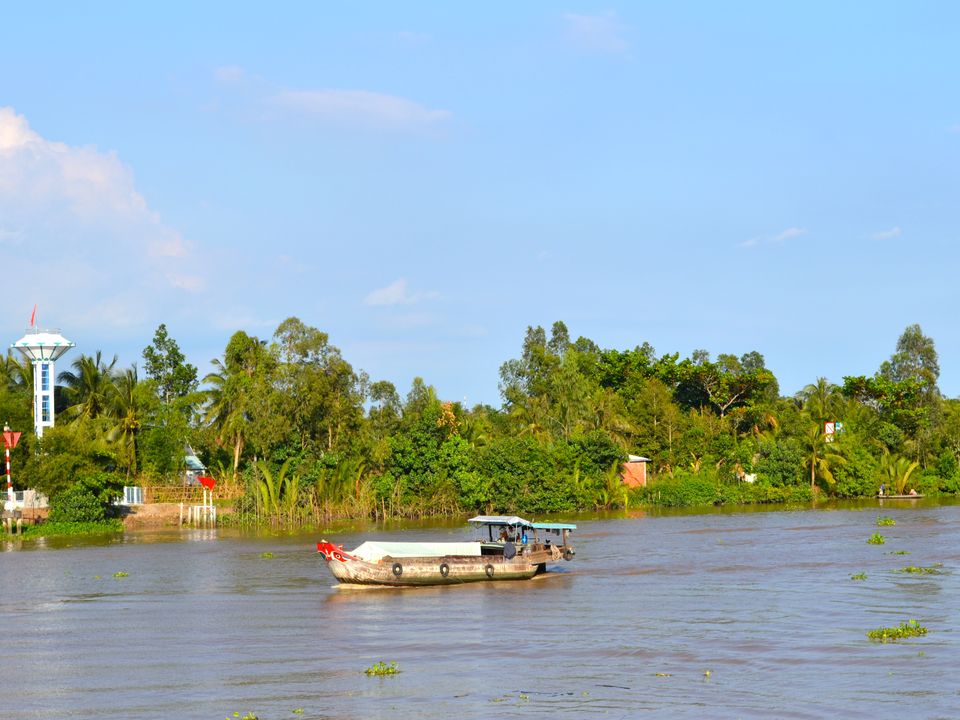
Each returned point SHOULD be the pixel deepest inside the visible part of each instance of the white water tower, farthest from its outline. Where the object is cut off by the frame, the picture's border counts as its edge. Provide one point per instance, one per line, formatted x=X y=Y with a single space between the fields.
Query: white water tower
x=43 y=348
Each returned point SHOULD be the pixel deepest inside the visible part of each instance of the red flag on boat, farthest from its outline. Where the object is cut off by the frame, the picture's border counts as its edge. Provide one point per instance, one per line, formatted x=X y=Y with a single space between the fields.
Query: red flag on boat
x=33 y=317
x=207 y=481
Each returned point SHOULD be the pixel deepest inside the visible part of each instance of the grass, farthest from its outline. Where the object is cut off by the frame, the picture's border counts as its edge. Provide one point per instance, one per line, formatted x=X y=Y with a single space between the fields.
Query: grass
x=909 y=629
x=381 y=668
x=859 y=576
x=915 y=570
x=884 y=520
x=876 y=539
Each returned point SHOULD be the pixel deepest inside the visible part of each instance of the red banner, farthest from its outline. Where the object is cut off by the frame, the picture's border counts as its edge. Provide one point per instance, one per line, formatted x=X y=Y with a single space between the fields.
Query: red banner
x=207 y=481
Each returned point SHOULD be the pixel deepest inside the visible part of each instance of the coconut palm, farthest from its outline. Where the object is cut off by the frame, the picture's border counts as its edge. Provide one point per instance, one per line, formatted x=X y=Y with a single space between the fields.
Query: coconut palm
x=224 y=411
x=126 y=408
x=822 y=457
x=88 y=386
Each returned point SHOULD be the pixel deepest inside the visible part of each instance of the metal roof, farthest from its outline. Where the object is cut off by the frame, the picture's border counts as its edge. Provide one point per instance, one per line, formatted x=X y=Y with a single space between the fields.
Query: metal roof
x=500 y=520
x=555 y=526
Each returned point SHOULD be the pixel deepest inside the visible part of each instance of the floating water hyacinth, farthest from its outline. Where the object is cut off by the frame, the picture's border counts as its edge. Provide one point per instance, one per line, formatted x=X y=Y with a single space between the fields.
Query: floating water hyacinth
x=382 y=668
x=911 y=628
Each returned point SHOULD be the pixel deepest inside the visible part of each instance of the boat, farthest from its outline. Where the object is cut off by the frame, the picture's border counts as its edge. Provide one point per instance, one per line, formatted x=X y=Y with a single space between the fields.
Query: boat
x=915 y=496
x=509 y=548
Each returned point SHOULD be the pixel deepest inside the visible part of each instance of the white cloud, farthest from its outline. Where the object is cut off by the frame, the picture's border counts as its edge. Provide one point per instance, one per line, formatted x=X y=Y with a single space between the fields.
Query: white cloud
x=396 y=293
x=597 y=33
x=359 y=106
x=98 y=253
x=893 y=232
x=789 y=234
x=780 y=238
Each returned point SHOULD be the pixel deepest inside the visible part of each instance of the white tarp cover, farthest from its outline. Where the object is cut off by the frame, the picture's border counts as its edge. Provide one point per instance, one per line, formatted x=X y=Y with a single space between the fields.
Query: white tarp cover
x=374 y=550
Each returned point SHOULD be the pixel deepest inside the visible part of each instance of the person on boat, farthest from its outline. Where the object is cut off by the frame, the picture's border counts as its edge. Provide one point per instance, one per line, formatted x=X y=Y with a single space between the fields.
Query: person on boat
x=881 y=490
x=913 y=491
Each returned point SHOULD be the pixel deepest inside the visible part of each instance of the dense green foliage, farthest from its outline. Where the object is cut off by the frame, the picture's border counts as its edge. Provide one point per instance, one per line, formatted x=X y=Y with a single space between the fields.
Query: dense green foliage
x=299 y=435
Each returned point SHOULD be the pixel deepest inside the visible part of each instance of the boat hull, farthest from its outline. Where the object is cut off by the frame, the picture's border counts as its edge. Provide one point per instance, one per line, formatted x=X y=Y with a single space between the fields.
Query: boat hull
x=445 y=570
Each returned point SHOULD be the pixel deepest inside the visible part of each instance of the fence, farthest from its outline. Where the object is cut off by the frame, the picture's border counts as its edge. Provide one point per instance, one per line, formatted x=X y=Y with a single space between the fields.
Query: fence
x=188 y=494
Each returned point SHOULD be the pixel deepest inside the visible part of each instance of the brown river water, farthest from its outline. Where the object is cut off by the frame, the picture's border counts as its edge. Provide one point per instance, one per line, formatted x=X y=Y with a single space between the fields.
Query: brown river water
x=729 y=614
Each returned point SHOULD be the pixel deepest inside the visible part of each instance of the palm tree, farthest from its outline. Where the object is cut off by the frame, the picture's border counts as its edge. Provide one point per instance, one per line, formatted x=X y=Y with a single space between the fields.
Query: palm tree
x=822 y=457
x=820 y=400
x=126 y=409
x=88 y=387
x=897 y=470
x=224 y=411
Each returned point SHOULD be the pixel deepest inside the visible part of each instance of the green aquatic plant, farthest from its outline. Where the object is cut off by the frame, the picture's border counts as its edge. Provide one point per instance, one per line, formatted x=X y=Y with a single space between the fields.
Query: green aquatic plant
x=914 y=570
x=62 y=529
x=899 y=552
x=859 y=576
x=121 y=574
x=297 y=711
x=876 y=539
x=266 y=555
x=381 y=668
x=248 y=716
x=884 y=520
x=911 y=628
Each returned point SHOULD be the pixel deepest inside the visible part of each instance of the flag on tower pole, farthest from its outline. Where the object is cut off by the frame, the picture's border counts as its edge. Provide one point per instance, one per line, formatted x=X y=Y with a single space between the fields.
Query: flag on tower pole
x=33 y=317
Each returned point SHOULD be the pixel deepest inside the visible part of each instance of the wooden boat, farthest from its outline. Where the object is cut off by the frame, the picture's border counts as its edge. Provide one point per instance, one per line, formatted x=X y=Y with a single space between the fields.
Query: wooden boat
x=915 y=496
x=510 y=548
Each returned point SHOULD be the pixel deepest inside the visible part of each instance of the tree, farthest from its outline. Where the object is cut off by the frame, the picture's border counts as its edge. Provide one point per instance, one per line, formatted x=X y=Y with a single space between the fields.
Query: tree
x=88 y=386
x=326 y=394
x=127 y=409
x=165 y=364
x=821 y=456
x=915 y=359
x=235 y=396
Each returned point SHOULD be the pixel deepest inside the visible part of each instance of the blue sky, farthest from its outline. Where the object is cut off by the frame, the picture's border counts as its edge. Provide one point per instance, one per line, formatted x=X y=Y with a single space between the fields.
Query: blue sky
x=424 y=180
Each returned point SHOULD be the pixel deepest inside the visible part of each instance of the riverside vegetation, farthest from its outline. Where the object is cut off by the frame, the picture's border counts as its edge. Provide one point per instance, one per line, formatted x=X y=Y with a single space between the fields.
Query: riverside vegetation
x=291 y=430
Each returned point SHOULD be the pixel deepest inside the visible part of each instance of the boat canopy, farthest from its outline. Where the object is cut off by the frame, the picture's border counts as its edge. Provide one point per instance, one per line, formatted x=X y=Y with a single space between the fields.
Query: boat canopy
x=510 y=520
x=374 y=550
x=554 y=526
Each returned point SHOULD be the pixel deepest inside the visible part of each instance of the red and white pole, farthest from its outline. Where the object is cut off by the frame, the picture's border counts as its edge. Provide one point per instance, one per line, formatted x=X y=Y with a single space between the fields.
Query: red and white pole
x=10 y=440
x=6 y=448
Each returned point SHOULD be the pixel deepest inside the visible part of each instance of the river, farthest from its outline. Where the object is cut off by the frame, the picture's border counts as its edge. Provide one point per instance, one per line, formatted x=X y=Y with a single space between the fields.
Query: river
x=729 y=614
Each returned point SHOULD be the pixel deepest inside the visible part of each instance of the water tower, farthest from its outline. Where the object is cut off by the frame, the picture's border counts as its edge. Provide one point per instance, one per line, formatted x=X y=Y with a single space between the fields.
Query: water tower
x=42 y=348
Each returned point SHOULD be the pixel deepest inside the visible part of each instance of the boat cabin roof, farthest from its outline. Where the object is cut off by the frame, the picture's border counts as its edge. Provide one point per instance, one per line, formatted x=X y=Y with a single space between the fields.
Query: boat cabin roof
x=554 y=526
x=514 y=521
x=511 y=520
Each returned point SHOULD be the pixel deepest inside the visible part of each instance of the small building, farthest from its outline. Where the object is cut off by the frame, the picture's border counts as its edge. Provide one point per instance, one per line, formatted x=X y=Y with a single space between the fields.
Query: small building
x=633 y=472
x=192 y=468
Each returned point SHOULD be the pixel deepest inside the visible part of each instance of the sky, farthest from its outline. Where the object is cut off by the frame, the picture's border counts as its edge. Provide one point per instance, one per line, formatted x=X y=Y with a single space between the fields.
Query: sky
x=423 y=181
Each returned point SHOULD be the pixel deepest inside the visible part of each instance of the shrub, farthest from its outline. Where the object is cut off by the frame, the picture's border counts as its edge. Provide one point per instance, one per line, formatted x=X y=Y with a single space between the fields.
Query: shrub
x=76 y=505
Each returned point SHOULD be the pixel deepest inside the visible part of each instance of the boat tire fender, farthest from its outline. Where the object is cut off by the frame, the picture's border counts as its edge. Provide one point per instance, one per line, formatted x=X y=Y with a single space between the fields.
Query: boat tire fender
x=489 y=571
x=568 y=554
x=444 y=569
x=397 y=569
